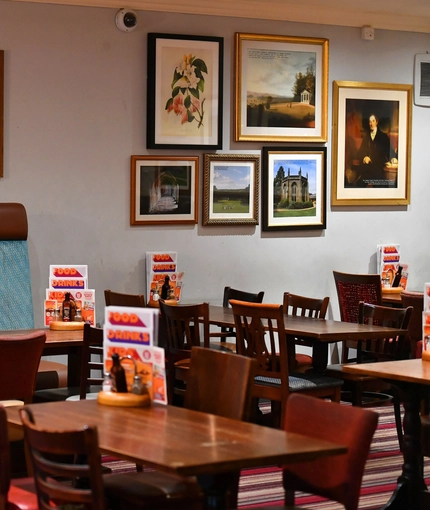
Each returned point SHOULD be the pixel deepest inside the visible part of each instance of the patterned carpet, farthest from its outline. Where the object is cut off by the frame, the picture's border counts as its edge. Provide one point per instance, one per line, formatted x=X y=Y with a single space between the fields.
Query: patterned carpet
x=263 y=486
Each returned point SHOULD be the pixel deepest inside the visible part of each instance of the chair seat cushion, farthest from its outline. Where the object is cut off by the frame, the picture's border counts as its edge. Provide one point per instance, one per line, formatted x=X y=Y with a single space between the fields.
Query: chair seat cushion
x=303 y=359
x=300 y=382
x=22 y=495
x=151 y=487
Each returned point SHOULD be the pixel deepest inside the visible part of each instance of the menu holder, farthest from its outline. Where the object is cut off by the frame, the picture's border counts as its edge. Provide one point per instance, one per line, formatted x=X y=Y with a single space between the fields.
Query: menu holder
x=111 y=398
x=66 y=326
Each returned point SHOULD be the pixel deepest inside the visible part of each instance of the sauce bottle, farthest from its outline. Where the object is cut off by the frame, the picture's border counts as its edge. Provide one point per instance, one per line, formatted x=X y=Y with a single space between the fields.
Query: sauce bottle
x=67 y=308
x=119 y=383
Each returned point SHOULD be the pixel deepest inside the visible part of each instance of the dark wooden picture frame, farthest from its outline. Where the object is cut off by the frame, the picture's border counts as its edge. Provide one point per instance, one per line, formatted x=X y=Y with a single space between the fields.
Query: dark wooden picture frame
x=185 y=92
x=294 y=188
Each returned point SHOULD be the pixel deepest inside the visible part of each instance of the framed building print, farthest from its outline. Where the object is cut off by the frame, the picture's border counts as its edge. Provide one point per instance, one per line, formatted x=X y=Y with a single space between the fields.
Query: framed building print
x=231 y=188
x=294 y=188
x=184 y=95
x=163 y=190
x=371 y=143
x=281 y=88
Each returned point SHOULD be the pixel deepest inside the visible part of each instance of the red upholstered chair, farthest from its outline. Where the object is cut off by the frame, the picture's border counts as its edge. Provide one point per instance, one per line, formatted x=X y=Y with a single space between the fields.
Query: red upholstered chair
x=18 y=493
x=339 y=477
x=305 y=307
x=351 y=289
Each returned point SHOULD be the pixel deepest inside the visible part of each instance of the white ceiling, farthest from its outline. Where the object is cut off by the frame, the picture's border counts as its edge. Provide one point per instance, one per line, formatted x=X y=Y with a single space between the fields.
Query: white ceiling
x=413 y=15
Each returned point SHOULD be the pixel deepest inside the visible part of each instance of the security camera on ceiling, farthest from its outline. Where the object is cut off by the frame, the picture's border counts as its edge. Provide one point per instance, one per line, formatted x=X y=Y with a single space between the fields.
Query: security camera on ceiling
x=126 y=20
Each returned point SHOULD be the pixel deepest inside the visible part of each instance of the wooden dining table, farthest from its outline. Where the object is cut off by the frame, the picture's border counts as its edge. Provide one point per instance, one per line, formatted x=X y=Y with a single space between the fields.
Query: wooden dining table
x=412 y=377
x=181 y=441
x=320 y=332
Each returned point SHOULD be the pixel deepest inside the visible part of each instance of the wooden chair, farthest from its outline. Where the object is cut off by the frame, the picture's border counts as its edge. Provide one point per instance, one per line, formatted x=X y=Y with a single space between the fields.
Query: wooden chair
x=260 y=328
x=351 y=289
x=186 y=326
x=92 y=371
x=230 y=397
x=118 y=299
x=339 y=477
x=67 y=465
x=17 y=493
x=416 y=300
x=305 y=307
x=365 y=390
x=239 y=295
x=16 y=301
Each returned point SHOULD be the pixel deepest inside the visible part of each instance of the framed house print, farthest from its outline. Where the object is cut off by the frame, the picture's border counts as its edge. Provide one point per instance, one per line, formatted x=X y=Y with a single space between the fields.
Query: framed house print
x=371 y=143
x=231 y=187
x=294 y=188
x=281 y=88
x=184 y=102
x=163 y=190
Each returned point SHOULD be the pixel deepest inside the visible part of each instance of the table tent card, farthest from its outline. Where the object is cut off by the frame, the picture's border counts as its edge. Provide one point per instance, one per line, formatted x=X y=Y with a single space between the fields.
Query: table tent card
x=72 y=279
x=130 y=332
x=158 y=266
x=388 y=262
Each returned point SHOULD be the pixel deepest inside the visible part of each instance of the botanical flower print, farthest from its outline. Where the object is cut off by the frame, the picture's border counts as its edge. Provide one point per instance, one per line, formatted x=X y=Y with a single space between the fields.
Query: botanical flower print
x=187 y=85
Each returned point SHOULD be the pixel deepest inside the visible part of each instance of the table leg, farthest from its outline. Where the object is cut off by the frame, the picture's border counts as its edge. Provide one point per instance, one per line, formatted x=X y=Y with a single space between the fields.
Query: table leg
x=411 y=482
x=319 y=357
x=220 y=490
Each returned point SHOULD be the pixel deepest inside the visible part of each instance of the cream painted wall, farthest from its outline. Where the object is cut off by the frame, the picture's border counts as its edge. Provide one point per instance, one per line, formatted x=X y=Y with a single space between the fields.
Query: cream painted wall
x=75 y=111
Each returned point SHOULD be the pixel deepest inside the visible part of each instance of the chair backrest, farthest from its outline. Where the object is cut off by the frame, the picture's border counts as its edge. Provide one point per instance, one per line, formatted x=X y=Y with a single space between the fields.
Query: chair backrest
x=231 y=395
x=92 y=366
x=16 y=302
x=183 y=325
x=353 y=288
x=260 y=334
x=241 y=295
x=67 y=455
x=119 y=299
x=416 y=300
x=385 y=349
x=19 y=362
x=338 y=477
x=305 y=306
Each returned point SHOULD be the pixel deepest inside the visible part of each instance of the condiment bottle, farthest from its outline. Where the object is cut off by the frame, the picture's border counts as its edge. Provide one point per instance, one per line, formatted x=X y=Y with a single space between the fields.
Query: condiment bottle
x=165 y=289
x=67 y=307
x=78 y=316
x=107 y=382
x=117 y=372
x=138 y=387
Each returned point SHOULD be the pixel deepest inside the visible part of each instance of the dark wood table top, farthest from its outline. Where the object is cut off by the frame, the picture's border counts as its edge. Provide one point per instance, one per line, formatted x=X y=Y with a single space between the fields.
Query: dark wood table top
x=322 y=330
x=53 y=338
x=408 y=370
x=179 y=440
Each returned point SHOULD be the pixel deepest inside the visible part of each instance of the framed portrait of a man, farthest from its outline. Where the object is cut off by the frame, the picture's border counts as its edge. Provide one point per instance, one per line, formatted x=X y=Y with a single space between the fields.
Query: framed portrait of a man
x=371 y=143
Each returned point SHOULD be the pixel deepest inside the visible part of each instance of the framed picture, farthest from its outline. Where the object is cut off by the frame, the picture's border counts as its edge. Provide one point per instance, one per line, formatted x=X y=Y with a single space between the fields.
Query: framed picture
x=371 y=143
x=163 y=190
x=231 y=188
x=294 y=188
x=281 y=88
x=184 y=103
x=1 y=110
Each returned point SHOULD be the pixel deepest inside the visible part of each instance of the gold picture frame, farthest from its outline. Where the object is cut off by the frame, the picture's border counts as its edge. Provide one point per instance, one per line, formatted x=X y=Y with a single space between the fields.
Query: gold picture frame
x=281 y=88
x=231 y=189
x=164 y=190
x=368 y=171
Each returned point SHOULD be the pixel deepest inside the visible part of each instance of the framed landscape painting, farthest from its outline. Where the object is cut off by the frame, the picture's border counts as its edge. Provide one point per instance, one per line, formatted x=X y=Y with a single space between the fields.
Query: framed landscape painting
x=294 y=188
x=371 y=143
x=184 y=95
x=231 y=187
x=163 y=190
x=281 y=88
